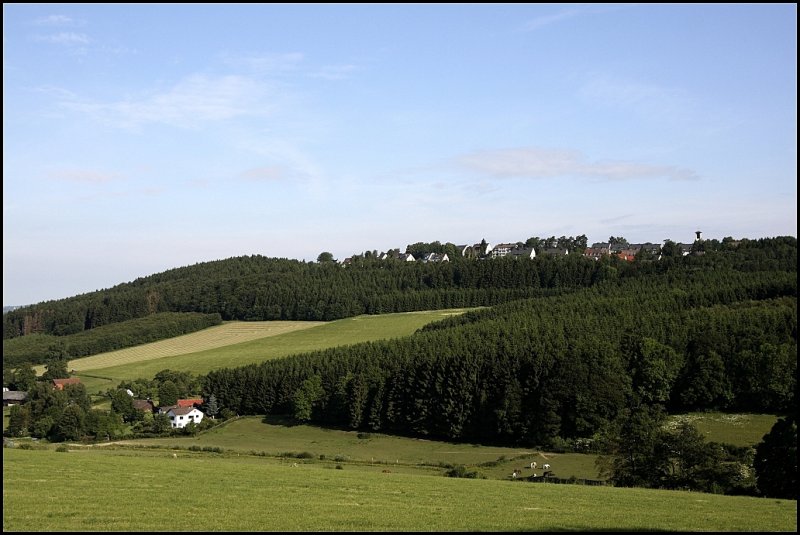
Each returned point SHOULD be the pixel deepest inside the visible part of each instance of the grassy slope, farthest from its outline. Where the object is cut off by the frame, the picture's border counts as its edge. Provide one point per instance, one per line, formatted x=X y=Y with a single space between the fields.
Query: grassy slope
x=361 y=497
x=248 y=435
x=100 y=375
x=736 y=429
x=152 y=491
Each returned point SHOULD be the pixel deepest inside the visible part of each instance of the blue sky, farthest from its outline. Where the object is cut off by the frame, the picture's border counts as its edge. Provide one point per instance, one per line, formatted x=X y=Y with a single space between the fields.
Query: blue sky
x=138 y=138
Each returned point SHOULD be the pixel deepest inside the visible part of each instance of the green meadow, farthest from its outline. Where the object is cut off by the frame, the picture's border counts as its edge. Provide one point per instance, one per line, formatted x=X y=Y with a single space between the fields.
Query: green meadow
x=150 y=490
x=256 y=474
x=736 y=429
x=195 y=352
x=277 y=437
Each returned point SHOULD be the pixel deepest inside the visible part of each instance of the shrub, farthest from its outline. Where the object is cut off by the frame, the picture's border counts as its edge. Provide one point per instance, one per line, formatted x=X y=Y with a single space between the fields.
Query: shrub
x=461 y=471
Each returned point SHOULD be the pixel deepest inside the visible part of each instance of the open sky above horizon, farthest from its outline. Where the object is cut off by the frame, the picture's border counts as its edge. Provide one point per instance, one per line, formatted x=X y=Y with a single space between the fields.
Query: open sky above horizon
x=143 y=137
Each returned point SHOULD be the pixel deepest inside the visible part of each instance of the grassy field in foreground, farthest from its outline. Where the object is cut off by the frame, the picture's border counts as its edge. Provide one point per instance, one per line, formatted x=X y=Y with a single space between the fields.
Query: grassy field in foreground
x=116 y=490
x=107 y=371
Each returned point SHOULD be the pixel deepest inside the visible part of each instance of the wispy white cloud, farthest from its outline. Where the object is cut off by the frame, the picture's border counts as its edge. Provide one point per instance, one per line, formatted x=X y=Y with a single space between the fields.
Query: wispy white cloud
x=617 y=219
x=542 y=163
x=564 y=14
x=645 y=99
x=58 y=20
x=191 y=102
x=263 y=174
x=334 y=72
x=265 y=63
x=86 y=176
x=64 y=38
x=292 y=161
x=126 y=194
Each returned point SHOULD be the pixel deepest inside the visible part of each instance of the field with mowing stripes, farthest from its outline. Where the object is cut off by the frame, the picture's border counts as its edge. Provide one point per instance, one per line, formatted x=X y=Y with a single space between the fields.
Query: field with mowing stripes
x=227 y=346
x=229 y=333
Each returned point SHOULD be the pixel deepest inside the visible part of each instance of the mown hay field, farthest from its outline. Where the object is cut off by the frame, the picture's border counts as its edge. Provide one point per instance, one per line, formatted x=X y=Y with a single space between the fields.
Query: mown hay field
x=115 y=490
x=217 y=347
x=229 y=333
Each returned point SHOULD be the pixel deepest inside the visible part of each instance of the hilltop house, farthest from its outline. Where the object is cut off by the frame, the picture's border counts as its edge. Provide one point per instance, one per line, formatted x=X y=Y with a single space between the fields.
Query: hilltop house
x=180 y=417
x=502 y=249
x=595 y=253
x=435 y=257
x=523 y=252
x=555 y=252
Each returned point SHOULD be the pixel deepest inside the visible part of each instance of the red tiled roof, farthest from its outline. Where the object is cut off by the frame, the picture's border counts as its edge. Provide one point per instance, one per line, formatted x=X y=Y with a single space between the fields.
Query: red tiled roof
x=189 y=402
x=61 y=383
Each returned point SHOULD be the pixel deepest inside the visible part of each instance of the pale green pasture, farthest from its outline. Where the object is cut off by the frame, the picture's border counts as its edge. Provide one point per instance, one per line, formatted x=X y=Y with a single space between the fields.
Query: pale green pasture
x=736 y=429
x=251 y=434
x=97 y=490
x=336 y=333
x=229 y=333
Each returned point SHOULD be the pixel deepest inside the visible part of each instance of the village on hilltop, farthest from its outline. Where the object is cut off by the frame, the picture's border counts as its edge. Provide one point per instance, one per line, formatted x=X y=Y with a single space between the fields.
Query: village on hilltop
x=563 y=246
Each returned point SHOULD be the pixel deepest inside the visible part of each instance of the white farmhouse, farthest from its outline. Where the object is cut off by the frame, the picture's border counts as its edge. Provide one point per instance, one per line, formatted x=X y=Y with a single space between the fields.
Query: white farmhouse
x=179 y=417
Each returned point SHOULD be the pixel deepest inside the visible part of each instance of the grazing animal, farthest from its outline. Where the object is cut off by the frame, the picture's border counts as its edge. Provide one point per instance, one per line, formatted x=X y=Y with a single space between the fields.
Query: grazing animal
x=294 y=465
x=546 y=466
x=174 y=455
x=514 y=474
x=533 y=465
x=387 y=471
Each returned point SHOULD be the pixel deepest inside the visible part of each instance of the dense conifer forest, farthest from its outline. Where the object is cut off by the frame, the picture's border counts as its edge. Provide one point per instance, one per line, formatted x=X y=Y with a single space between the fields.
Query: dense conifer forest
x=564 y=366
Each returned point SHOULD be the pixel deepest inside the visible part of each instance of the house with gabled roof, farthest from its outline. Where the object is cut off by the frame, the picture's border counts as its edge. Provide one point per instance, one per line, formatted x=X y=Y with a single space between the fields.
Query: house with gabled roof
x=502 y=249
x=180 y=417
x=523 y=252
x=435 y=257
x=191 y=402
x=595 y=253
x=555 y=252
x=59 y=384
x=14 y=397
x=144 y=405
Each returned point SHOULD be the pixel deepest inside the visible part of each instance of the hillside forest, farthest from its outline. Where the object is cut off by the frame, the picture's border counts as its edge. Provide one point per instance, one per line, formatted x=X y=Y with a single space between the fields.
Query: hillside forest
x=569 y=353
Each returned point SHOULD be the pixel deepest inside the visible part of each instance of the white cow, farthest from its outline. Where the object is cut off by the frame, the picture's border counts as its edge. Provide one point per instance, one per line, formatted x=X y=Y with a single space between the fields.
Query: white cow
x=546 y=466
x=533 y=465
